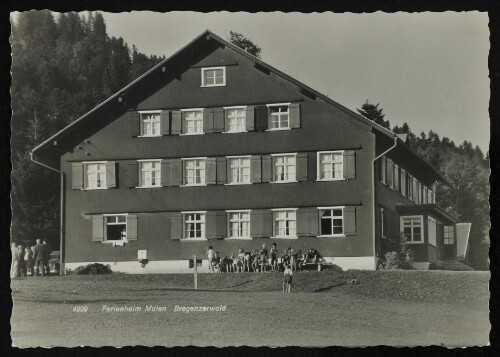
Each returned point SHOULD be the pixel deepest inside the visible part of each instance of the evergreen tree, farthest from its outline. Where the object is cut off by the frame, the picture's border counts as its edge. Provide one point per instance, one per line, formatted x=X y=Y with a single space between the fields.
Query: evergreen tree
x=244 y=43
x=373 y=113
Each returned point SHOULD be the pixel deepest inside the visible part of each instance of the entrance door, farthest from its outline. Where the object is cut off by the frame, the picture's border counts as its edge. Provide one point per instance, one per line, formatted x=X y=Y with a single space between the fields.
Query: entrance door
x=449 y=242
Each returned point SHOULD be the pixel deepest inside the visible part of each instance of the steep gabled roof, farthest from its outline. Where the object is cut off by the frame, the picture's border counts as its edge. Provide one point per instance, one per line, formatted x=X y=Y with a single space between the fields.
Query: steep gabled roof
x=209 y=35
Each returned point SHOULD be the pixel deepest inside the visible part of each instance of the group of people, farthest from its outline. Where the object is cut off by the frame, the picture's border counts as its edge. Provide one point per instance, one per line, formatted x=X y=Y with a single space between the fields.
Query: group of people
x=30 y=260
x=261 y=260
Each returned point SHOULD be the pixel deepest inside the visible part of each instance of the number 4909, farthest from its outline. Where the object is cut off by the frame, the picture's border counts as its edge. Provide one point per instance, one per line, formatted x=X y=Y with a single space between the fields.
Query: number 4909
x=80 y=309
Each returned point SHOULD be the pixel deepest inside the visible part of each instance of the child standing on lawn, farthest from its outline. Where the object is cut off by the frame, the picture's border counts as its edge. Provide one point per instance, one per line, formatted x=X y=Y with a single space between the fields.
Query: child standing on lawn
x=287 y=279
x=210 y=255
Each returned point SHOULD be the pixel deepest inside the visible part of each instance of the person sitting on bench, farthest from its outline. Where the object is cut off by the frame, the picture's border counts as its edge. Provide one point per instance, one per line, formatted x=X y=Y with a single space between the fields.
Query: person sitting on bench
x=311 y=257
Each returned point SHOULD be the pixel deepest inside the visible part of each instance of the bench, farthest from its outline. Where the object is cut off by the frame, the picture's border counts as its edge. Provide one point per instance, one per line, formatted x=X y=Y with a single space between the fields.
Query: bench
x=320 y=265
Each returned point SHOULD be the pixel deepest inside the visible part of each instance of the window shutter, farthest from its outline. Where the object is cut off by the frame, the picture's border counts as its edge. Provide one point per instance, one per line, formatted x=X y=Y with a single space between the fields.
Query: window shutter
x=294 y=115
x=221 y=170
x=134 y=123
x=269 y=119
x=97 y=228
x=215 y=225
x=267 y=168
x=226 y=122
x=349 y=163
x=307 y=222
x=176 y=226
x=210 y=171
x=164 y=122
x=132 y=174
x=208 y=120
x=132 y=227
x=173 y=172
x=164 y=172
x=396 y=177
x=301 y=167
x=250 y=118
x=350 y=221
x=261 y=223
x=176 y=122
x=77 y=176
x=261 y=114
x=390 y=173
x=218 y=120
x=110 y=174
x=255 y=169
x=382 y=167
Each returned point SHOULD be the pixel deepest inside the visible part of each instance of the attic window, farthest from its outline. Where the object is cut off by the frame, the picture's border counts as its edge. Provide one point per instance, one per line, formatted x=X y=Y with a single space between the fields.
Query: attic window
x=213 y=76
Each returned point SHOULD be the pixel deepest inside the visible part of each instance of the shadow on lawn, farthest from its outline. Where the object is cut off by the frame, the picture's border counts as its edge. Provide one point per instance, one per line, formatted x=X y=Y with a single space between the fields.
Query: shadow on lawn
x=326 y=288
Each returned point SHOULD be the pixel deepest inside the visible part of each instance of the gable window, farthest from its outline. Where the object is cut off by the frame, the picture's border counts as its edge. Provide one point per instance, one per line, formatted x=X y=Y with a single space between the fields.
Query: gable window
x=330 y=166
x=150 y=173
x=284 y=167
x=332 y=221
x=239 y=169
x=239 y=224
x=213 y=76
x=411 y=227
x=95 y=175
x=192 y=121
x=236 y=119
x=448 y=236
x=150 y=123
x=194 y=225
x=285 y=223
x=116 y=227
x=279 y=116
x=194 y=172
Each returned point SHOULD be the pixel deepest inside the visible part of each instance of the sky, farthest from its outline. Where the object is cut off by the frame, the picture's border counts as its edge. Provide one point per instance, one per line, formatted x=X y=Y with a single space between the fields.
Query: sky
x=427 y=69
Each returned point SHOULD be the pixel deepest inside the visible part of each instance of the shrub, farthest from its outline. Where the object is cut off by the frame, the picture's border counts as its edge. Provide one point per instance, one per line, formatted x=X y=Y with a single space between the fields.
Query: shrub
x=92 y=269
x=401 y=259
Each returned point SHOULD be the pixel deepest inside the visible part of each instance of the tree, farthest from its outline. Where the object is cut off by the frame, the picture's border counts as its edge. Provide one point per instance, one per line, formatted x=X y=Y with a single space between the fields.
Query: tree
x=244 y=43
x=373 y=113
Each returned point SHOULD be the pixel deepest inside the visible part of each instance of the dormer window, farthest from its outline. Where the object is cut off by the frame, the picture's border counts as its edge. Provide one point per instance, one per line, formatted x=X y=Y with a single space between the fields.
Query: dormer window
x=213 y=76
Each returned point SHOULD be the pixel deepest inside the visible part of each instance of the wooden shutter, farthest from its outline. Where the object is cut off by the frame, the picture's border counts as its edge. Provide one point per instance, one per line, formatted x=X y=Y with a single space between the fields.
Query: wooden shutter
x=110 y=174
x=221 y=170
x=215 y=225
x=261 y=113
x=77 y=176
x=382 y=167
x=261 y=223
x=164 y=122
x=132 y=174
x=301 y=167
x=134 y=123
x=208 y=120
x=218 y=120
x=176 y=226
x=226 y=121
x=350 y=221
x=390 y=173
x=267 y=168
x=97 y=228
x=250 y=118
x=255 y=169
x=176 y=122
x=307 y=222
x=294 y=115
x=173 y=172
x=210 y=171
x=396 y=177
x=349 y=163
x=132 y=227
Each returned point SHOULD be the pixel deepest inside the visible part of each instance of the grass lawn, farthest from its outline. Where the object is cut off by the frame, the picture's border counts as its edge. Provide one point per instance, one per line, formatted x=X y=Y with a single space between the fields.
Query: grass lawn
x=385 y=308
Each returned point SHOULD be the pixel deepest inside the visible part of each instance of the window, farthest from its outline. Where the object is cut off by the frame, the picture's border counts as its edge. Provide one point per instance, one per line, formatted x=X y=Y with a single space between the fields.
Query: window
x=150 y=173
x=279 y=117
x=239 y=170
x=150 y=123
x=382 y=221
x=330 y=166
x=403 y=182
x=284 y=168
x=95 y=175
x=194 y=225
x=194 y=171
x=412 y=229
x=383 y=169
x=213 y=76
x=284 y=224
x=239 y=224
x=236 y=119
x=116 y=227
x=332 y=221
x=193 y=121
x=448 y=236
x=431 y=197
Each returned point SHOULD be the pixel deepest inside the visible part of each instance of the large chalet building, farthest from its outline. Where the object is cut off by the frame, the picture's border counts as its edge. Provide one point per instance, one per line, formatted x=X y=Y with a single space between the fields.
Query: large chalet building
x=215 y=147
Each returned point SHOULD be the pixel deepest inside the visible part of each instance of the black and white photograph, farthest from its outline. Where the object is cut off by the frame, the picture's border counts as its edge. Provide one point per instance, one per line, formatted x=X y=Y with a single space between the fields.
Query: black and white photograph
x=249 y=179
